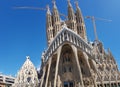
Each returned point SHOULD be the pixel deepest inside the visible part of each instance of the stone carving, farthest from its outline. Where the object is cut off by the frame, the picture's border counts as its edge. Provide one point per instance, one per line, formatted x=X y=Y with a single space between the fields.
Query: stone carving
x=27 y=76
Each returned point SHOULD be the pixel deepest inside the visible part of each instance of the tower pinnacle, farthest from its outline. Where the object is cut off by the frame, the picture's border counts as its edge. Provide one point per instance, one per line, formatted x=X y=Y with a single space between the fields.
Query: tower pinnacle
x=27 y=57
x=76 y=3
x=77 y=6
x=80 y=22
x=69 y=4
x=48 y=10
x=55 y=18
x=54 y=4
x=71 y=17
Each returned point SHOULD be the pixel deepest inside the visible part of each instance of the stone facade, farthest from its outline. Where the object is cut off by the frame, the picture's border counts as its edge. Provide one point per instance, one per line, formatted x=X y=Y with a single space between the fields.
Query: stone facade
x=70 y=59
x=27 y=76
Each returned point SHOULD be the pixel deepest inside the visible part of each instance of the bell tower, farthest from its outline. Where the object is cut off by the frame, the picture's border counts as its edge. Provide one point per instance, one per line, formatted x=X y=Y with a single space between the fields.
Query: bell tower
x=53 y=23
x=71 y=18
x=56 y=19
x=80 y=22
x=49 y=26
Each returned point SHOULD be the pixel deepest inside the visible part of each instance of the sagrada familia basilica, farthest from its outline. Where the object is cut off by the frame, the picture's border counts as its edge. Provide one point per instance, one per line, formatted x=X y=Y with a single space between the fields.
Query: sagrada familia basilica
x=70 y=59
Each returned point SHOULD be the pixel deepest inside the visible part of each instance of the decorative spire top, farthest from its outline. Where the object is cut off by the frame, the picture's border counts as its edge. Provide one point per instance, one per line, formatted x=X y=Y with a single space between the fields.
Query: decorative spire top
x=78 y=10
x=68 y=1
x=54 y=4
x=48 y=10
x=70 y=11
x=76 y=3
x=27 y=57
x=69 y=4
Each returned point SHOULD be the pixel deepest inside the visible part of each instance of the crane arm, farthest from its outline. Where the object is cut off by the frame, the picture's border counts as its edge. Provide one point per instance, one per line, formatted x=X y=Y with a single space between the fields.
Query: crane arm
x=96 y=18
x=34 y=8
x=63 y=15
x=94 y=25
x=37 y=8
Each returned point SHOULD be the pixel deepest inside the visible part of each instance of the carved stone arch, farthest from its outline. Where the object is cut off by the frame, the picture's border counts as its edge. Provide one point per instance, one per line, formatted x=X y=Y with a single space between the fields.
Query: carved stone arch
x=52 y=68
x=68 y=70
x=66 y=65
x=46 y=70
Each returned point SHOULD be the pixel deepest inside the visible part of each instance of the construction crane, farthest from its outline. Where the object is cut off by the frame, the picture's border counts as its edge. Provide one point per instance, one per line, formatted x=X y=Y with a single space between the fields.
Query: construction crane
x=94 y=25
x=37 y=8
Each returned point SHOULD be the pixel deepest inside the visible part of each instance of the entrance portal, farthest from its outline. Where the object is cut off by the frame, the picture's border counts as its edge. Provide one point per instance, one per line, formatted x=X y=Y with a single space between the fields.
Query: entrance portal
x=68 y=84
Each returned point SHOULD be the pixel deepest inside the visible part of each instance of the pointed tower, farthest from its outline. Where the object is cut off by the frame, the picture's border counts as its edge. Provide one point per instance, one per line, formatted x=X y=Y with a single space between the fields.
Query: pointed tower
x=80 y=22
x=71 y=17
x=56 y=19
x=49 y=27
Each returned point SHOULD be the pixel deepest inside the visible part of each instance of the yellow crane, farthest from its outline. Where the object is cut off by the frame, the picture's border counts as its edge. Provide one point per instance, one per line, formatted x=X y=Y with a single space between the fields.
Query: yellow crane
x=94 y=25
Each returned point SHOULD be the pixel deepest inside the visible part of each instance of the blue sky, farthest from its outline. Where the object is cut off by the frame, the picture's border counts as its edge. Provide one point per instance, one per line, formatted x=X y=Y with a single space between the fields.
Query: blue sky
x=22 y=32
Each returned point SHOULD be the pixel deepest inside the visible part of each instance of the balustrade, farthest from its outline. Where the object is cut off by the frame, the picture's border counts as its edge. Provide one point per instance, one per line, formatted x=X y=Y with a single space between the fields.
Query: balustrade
x=67 y=35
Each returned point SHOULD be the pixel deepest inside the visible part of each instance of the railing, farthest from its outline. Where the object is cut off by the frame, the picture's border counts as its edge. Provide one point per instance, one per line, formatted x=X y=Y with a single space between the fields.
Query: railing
x=67 y=35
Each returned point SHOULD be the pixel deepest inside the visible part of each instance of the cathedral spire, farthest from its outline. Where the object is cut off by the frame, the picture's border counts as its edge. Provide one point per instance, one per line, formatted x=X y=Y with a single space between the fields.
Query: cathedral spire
x=55 y=10
x=71 y=17
x=48 y=10
x=49 y=27
x=55 y=19
x=80 y=22
x=69 y=4
x=54 y=4
x=70 y=10
x=77 y=6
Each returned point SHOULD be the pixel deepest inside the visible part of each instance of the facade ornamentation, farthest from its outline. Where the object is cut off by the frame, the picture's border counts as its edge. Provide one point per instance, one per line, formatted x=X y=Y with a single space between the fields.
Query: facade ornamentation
x=27 y=76
x=70 y=59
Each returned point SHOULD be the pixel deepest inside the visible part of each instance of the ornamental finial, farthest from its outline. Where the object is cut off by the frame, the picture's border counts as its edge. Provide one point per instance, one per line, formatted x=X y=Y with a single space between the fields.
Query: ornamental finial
x=54 y=3
x=68 y=0
x=48 y=9
x=76 y=3
x=27 y=57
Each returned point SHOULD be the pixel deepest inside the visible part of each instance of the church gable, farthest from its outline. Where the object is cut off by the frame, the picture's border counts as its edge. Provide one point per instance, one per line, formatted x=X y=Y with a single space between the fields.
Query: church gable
x=27 y=76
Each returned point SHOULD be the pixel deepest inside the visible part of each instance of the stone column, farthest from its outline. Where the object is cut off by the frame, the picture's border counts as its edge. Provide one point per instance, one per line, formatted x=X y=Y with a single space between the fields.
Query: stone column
x=42 y=79
x=57 y=64
x=49 y=84
x=102 y=83
x=92 y=73
x=78 y=65
x=48 y=72
x=110 y=78
x=116 y=79
x=67 y=36
x=63 y=38
x=55 y=45
x=70 y=38
x=60 y=39
x=86 y=58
